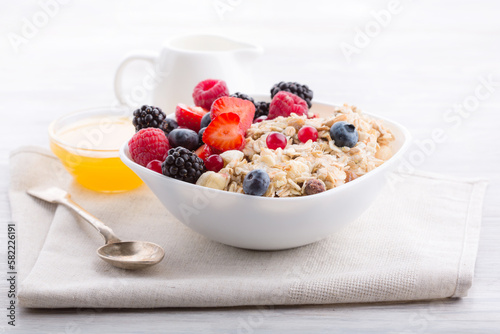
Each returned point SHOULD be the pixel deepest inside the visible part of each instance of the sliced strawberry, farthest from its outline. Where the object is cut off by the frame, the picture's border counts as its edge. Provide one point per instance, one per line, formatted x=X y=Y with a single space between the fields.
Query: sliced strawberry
x=224 y=133
x=204 y=151
x=243 y=108
x=189 y=117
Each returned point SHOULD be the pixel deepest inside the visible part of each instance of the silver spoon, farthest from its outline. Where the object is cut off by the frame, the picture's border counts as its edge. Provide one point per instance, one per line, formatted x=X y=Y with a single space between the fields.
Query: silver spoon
x=121 y=254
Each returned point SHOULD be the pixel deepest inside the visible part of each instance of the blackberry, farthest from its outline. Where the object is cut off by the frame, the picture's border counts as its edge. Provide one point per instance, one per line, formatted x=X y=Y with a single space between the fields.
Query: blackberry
x=301 y=91
x=148 y=117
x=243 y=97
x=182 y=164
x=261 y=109
x=168 y=125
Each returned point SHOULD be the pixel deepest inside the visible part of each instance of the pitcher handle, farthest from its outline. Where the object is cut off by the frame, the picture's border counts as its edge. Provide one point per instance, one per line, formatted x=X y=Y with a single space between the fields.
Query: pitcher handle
x=148 y=56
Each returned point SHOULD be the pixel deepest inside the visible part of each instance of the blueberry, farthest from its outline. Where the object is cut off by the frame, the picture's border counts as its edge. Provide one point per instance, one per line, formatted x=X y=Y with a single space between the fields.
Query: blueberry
x=205 y=120
x=344 y=134
x=183 y=137
x=256 y=182
x=168 y=125
x=200 y=136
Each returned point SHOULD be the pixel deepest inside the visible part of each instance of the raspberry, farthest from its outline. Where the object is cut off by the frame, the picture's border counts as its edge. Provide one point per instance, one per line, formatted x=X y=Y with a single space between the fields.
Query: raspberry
x=207 y=91
x=148 y=144
x=285 y=103
x=301 y=91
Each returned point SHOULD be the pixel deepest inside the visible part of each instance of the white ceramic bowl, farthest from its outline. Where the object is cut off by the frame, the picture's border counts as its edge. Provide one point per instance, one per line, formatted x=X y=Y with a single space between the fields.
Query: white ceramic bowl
x=271 y=223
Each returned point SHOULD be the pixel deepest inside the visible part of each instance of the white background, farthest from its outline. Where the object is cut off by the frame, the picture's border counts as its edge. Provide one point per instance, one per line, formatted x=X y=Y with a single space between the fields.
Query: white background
x=429 y=58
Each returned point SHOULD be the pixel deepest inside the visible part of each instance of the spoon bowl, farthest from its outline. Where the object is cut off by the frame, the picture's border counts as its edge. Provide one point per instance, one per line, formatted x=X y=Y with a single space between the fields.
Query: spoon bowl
x=121 y=254
x=131 y=254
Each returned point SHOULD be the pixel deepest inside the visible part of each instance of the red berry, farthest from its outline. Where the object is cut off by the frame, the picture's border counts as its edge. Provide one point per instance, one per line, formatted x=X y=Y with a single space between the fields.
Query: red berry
x=207 y=91
x=204 y=151
x=243 y=108
x=260 y=119
x=189 y=117
x=285 y=103
x=155 y=165
x=276 y=140
x=307 y=132
x=224 y=133
x=214 y=163
x=148 y=144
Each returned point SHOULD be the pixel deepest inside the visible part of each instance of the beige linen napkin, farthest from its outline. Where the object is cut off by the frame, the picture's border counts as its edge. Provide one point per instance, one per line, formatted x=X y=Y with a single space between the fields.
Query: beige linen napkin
x=417 y=241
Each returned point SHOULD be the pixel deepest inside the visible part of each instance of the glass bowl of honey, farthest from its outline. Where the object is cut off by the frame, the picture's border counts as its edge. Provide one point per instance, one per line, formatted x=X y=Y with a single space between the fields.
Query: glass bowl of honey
x=87 y=143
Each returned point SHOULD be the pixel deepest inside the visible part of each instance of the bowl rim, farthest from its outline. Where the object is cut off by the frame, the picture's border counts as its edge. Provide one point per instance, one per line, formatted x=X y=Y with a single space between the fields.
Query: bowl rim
x=54 y=137
x=404 y=147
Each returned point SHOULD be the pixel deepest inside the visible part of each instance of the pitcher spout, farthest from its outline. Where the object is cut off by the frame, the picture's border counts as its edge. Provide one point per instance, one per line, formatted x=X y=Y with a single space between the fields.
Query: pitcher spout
x=249 y=53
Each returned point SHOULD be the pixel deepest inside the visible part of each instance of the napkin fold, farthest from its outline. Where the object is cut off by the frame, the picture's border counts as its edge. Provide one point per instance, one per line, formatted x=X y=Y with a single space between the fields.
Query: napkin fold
x=417 y=241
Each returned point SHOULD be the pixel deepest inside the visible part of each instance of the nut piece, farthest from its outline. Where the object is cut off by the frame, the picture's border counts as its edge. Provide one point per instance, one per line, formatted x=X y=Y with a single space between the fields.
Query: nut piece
x=314 y=186
x=350 y=175
x=384 y=153
x=213 y=180
x=295 y=169
x=232 y=155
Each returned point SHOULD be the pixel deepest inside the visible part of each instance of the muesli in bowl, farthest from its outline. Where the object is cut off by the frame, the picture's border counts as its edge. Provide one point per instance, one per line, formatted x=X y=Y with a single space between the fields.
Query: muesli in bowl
x=272 y=149
x=306 y=167
x=203 y=165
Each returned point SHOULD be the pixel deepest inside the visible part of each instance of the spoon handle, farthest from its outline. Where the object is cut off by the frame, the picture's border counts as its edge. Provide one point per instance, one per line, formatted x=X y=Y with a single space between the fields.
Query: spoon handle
x=106 y=232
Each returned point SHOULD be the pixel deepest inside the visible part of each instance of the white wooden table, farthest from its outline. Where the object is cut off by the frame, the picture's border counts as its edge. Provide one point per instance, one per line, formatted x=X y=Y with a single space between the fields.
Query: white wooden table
x=427 y=58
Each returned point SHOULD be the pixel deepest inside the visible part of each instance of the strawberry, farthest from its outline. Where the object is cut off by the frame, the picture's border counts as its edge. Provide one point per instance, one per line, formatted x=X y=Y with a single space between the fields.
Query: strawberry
x=189 y=117
x=203 y=152
x=224 y=133
x=243 y=108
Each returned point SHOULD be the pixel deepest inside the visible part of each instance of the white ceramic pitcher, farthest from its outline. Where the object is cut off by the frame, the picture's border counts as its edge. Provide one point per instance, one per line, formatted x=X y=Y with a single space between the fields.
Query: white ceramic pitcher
x=182 y=63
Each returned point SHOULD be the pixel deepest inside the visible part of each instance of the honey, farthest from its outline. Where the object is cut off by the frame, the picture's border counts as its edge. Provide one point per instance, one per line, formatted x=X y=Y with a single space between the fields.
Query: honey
x=88 y=149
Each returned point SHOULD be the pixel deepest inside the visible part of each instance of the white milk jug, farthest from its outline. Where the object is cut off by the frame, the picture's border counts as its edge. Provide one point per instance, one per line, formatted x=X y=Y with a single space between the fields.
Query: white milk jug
x=183 y=62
